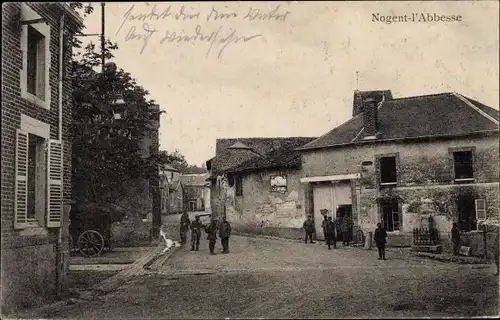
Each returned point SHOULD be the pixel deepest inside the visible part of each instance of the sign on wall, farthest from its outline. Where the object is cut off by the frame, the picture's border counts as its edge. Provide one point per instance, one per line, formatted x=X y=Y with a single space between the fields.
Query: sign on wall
x=278 y=184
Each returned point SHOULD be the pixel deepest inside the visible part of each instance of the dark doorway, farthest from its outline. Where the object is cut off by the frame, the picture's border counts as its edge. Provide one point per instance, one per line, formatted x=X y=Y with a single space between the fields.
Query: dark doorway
x=466 y=213
x=343 y=211
x=390 y=214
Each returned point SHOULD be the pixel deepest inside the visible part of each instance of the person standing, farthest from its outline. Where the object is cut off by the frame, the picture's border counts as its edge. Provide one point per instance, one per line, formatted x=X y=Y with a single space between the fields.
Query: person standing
x=224 y=234
x=455 y=239
x=211 y=231
x=196 y=227
x=309 y=228
x=345 y=230
x=330 y=233
x=185 y=222
x=324 y=223
x=379 y=237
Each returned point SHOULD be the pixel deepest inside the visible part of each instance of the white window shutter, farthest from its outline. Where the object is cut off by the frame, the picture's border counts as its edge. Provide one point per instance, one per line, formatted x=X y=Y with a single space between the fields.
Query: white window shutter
x=21 y=185
x=54 y=184
x=480 y=209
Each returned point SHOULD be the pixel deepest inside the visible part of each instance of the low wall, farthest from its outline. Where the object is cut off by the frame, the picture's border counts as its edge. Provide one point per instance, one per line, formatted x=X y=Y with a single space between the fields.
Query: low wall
x=28 y=277
x=287 y=233
x=399 y=240
x=131 y=232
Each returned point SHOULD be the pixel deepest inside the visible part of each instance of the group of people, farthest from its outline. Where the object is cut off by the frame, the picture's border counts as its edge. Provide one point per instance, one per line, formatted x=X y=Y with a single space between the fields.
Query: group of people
x=211 y=229
x=331 y=230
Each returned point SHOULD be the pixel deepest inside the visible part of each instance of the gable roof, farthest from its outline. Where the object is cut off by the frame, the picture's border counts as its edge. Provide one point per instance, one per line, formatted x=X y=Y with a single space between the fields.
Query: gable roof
x=445 y=114
x=229 y=158
x=284 y=156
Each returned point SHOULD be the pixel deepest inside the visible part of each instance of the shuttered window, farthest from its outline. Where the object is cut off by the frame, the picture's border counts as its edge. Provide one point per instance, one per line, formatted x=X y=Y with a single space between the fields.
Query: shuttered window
x=21 y=185
x=54 y=184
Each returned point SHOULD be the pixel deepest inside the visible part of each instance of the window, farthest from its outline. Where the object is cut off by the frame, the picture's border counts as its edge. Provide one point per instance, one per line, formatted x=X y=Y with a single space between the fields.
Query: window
x=239 y=186
x=38 y=176
x=388 y=172
x=35 y=43
x=278 y=184
x=36 y=63
x=390 y=215
x=36 y=179
x=463 y=165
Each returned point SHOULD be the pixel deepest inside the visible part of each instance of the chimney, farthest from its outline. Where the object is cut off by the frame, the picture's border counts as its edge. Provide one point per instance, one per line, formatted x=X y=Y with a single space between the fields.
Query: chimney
x=370 y=117
x=357 y=105
x=359 y=96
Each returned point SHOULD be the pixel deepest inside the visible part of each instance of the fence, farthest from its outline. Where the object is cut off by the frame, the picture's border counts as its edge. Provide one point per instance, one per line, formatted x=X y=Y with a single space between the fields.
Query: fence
x=425 y=237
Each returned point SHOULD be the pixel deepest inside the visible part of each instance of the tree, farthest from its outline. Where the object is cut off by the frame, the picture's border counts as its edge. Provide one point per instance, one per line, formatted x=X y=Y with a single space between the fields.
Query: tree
x=106 y=148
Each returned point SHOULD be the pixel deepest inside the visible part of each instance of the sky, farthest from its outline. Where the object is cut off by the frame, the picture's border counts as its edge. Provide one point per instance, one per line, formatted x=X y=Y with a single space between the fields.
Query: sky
x=282 y=69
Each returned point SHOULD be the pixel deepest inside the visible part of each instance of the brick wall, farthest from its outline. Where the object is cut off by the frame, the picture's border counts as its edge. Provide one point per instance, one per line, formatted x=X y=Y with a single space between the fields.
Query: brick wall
x=13 y=105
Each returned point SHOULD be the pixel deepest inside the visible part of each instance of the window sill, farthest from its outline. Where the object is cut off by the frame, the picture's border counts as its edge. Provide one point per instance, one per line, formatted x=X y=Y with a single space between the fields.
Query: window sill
x=388 y=184
x=33 y=230
x=463 y=180
x=34 y=99
x=472 y=231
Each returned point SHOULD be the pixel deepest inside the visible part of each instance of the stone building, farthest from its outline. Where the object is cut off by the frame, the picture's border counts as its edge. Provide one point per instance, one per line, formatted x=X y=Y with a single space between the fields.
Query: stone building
x=197 y=191
x=36 y=150
x=398 y=160
x=255 y=182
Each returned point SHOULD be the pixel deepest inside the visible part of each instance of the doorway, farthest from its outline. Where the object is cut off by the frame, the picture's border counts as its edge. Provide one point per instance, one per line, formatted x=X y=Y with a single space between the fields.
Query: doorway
x=343 y=211
x=331 y=196
x=390 y=215
x=466 y=213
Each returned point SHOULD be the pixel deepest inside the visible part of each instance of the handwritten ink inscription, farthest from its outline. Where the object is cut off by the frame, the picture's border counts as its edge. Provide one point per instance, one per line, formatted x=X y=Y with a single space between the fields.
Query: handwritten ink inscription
x=156 y=26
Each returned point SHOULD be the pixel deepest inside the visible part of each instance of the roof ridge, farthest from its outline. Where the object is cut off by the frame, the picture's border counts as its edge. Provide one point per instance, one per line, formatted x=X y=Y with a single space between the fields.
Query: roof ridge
x=471 y=105
x=323 y=135
x=422 y=96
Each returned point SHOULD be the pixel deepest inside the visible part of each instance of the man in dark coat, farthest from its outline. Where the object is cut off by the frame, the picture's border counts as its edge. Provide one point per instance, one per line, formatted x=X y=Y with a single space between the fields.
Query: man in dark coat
x=309 y=228
x=224 y=234
x=346 y=228
x=324 y=222
x=196 y=227
x=379 y=237
x=185 y=222
x=455 y=239
x=211 y=231
x=330 y=233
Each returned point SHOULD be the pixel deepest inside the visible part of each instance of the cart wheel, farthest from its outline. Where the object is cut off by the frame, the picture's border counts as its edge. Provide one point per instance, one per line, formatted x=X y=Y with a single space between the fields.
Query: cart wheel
x=90 y=243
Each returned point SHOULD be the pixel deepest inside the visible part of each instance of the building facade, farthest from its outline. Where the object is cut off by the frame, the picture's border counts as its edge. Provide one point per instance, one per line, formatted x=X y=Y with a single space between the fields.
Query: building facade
x=196 y=191
x=255 y=183
x=378 y=167
x=381 y=167
x=36 y=150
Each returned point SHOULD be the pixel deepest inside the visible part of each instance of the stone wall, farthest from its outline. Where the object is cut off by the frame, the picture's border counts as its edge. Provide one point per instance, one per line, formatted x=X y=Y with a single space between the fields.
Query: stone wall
x=260 y=210
x=135 y=228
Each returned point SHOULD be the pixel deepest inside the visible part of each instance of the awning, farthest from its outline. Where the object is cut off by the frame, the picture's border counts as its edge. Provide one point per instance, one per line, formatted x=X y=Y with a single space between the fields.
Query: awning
x=331 y=178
